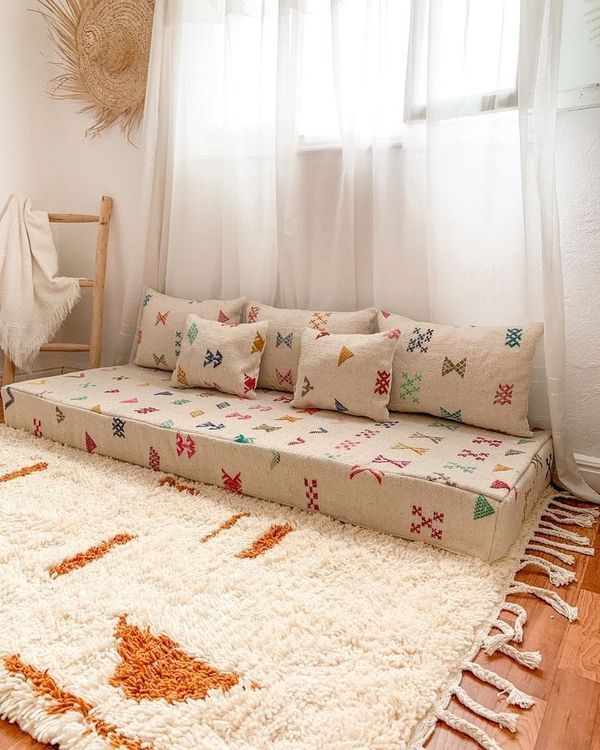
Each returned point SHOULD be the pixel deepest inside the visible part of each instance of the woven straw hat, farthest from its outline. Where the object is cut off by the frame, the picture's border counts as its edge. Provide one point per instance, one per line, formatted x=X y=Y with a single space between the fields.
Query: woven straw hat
x=104 y=46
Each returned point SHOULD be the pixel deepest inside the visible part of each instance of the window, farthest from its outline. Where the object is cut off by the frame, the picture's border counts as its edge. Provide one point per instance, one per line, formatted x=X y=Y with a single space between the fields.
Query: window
x=463 y=57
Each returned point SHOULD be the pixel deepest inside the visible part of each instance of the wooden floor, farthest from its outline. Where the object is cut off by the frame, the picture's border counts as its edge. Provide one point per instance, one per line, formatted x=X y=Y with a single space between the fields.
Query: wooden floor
x=566 y=686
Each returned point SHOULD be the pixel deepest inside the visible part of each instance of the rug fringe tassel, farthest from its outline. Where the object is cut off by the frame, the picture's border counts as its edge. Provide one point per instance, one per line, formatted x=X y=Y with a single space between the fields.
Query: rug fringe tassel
x=573 y=509
x=557 y=603
x=471 y=730
x=514 y=696
x=557 y=513
x=561 y=545
x=503 y=718
x=569 y=559
x=558 y=575
x=551 y=529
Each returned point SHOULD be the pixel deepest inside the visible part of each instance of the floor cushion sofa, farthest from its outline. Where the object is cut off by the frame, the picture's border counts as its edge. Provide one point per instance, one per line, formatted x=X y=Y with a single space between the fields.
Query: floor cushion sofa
x=424 y=478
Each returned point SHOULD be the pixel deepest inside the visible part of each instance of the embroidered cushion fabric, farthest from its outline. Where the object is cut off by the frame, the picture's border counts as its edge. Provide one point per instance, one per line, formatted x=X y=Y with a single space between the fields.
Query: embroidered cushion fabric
x=350 y=373
x=279 y=365
x=448 y=484
x=474 y=374
x=223 y=356
x=162 y=322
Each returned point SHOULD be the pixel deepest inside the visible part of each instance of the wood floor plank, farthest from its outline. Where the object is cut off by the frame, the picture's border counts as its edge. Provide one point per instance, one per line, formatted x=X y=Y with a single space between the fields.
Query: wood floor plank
x=12 y=738
x=570 y=714
x=581 y=650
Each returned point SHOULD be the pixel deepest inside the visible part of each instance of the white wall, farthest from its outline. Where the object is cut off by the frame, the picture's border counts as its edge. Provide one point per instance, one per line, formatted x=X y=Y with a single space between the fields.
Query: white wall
x=43 y=153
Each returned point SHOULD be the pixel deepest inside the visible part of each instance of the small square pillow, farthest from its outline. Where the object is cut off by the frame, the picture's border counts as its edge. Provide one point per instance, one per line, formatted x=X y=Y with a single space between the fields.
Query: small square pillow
x=224 y=356
x=162 y=322
x=279 y=365
x=478 y=375
x=350 y=373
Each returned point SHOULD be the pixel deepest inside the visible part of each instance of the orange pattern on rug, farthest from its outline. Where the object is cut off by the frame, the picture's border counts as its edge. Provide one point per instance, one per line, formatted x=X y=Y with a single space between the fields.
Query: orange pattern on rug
x=179 y=486
x=269 y=539
x=155 y=667
x=91 y=554
x=41 y=466
x=62 y=702
x=225 y=525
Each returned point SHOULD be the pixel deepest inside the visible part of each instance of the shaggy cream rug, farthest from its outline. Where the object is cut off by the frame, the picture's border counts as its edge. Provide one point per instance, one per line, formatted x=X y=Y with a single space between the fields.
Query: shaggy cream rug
x=138 y=610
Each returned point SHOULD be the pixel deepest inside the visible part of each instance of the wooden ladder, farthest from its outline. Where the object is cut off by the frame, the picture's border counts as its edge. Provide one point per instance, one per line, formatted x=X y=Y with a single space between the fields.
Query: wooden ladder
x=94 y=347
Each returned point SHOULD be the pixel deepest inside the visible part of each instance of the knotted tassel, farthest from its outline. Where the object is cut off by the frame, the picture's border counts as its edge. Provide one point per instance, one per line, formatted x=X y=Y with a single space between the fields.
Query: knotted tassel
x=503 y=718
x=547 y=527
x=561 y=545
x=472 y=731
x=550 y=597
x=558 y=575
x=569 y=559
x=514 y=696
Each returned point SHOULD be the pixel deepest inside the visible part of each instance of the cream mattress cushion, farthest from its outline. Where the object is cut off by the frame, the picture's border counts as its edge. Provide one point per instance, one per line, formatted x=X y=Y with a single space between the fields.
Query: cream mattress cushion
x=415 y=476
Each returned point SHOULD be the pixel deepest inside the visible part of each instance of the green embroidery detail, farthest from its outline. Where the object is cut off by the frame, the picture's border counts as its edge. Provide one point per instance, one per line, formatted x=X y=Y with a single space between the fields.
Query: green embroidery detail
x=483 y=508
x=410 y=387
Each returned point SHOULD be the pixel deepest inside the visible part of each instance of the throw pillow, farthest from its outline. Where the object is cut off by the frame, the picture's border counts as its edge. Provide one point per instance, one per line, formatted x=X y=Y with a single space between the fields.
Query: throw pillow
x=223 y=356
x=350 y=373
x=279 y=365
x=479 y=375
x=162 y=324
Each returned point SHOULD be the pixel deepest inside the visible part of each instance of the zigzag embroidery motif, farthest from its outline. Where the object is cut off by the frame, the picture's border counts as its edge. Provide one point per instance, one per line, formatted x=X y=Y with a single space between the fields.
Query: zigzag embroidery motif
x=356 y=470
x=233 y=484
x=158 y=361
x=449 y=366
x=162 y=318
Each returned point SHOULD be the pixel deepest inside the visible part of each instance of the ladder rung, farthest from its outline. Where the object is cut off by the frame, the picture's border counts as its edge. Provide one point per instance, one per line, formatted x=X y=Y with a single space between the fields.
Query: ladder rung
x=73 y=218
x=59 y=347
x=86 y=282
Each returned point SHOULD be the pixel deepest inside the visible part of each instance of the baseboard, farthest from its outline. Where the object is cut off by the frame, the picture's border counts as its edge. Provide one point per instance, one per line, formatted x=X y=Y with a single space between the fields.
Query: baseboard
x=46 y=372
x=590 y=468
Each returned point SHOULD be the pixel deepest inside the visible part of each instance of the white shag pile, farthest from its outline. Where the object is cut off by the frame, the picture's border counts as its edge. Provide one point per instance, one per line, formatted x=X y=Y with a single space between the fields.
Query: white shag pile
x=341 y=637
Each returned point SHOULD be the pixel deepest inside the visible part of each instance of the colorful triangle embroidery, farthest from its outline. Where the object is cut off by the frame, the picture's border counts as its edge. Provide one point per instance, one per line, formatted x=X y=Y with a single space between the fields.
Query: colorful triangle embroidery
x=345 y=355
x=482 y=508
x=222 y=317
x=306 y=387
x=339 y=406
x=498 y=484
x=96 y=409
x=501 y=467
x=513 y=452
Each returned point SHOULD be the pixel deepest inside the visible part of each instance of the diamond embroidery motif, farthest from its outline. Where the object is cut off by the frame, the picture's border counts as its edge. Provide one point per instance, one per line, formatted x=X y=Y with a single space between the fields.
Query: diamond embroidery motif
x=213 y=358
x=192 y=333
x=419 y=341
x=258 y=344
x=456 y=416
x=118 y=427
x=284 y=378
x=281 y=340
x=513 y=337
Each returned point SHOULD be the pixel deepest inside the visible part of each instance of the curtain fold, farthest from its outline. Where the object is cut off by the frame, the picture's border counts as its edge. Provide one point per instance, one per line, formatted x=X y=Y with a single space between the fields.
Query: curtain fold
x=306 y=153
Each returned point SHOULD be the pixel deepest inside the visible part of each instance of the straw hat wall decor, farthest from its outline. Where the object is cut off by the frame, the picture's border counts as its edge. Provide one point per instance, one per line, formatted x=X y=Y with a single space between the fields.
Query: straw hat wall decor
x=104 y=47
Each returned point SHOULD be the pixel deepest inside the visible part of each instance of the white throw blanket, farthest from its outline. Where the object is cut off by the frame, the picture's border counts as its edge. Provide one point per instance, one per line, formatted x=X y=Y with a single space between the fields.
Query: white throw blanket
x=33 y=300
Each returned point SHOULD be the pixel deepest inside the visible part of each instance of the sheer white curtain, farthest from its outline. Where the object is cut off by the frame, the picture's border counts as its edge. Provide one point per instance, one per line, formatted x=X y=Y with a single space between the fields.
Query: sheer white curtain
x=342 y=153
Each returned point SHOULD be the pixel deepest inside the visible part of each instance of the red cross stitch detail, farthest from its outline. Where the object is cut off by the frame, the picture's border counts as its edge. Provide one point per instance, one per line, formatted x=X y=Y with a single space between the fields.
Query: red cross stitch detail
x=312 y=494
x=284 y=377
x=90 y=445
x=347 y=445
x=252 y=314
x=394 y=333
x=162 y=318
x=249 y=383
x=186 y=444
x=382 y=382
x=37 y=427
x=153 y=460
x=494 y=443
x=146 y=410
x=139 y=336
x=466 y=453
x=504 y=394
x=319 y=321
x=426 y=522
x=232 y=483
